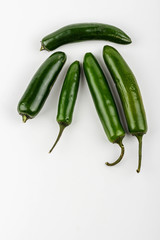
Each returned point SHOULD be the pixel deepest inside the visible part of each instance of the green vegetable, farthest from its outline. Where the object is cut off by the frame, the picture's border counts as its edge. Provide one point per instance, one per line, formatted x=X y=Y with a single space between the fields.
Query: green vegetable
x=129 y=94
x=39 y=88
x=104 y=102
x=83 y=31
x=68 y=98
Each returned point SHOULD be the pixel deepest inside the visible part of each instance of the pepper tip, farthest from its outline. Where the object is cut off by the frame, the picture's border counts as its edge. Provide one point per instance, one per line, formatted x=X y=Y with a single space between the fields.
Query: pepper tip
x=42 y=48
x=24 y=118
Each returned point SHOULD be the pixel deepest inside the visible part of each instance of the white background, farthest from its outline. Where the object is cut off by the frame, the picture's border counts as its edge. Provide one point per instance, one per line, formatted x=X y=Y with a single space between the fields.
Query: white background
x=71 y=194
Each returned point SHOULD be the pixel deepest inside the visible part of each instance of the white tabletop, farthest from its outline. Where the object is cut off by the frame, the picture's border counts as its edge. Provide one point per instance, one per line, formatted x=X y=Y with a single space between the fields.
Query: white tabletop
x=71 y=193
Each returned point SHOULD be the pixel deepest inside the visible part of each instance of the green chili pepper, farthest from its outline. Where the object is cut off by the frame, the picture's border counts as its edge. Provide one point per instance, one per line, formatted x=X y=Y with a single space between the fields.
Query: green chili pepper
x=39 y=88
x=129 y=94
x=83 y=31
x=104 y=102
x=67 y=98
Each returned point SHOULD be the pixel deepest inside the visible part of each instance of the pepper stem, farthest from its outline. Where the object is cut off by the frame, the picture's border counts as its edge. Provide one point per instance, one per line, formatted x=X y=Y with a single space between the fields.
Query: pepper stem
x=61 y=128
x=119 y=142
x=24 y=118
x=139 y=137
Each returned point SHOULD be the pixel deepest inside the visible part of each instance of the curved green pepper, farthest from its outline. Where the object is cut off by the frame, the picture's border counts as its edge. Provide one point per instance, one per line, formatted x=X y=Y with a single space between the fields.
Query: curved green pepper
x=129 y=93
x=67 y=98
x=81 y=32
x=104 y=102
x=39 y=88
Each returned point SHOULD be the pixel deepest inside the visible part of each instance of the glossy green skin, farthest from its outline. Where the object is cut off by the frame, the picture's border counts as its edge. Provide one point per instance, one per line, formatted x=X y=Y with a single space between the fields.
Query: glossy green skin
x=84 y=31
x=103 y=99
x=128 y=90
x=68 y=95
x=39 y=88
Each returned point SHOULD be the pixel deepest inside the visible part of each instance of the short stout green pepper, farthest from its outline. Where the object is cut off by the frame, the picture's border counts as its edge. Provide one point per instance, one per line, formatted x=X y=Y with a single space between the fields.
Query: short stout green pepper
x=39 y=88
x=104 y=102
x=67 y=98
x=129 y=93
x=81 y=32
